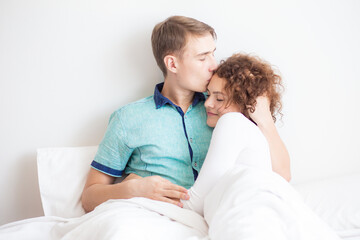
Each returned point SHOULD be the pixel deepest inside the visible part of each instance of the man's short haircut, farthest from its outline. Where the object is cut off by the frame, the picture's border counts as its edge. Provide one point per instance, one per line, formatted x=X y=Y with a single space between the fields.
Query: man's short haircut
x=170 y=37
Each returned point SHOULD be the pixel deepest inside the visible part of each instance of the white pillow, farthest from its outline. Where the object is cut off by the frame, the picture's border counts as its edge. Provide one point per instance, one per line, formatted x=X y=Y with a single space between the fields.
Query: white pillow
x=62 y=174
x=336 y=200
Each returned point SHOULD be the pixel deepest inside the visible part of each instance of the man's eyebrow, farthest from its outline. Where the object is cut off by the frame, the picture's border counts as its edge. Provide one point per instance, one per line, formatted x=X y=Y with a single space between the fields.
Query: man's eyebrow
x=205 y=53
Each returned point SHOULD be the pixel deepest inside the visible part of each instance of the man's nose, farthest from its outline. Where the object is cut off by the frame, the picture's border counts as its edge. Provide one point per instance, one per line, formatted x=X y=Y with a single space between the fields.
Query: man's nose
x=213 y=65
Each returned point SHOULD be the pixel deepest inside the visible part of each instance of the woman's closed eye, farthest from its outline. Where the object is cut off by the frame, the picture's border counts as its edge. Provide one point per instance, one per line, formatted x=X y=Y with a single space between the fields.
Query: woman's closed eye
x=218 y=97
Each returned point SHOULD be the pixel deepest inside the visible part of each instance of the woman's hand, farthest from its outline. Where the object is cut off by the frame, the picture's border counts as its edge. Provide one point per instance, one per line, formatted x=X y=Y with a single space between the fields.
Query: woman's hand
x=280 y=158
x=262 y=114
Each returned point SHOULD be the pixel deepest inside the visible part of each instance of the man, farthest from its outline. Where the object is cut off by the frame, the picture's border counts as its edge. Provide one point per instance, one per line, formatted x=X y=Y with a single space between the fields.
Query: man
x=163 y=138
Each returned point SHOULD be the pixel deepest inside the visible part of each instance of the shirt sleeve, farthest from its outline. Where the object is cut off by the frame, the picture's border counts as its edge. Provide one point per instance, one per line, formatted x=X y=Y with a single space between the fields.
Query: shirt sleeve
x=113 y=152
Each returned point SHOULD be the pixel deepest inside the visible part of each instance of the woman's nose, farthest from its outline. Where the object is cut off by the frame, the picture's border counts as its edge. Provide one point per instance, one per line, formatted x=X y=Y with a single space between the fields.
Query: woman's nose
x=208 y=103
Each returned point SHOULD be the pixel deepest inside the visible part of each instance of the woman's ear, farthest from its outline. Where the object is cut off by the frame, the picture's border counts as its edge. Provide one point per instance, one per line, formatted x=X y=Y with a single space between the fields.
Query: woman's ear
x=170 y=63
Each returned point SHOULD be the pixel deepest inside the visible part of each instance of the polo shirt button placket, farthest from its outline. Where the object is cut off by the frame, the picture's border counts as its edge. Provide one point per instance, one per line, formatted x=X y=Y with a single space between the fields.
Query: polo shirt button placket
x=195 y=164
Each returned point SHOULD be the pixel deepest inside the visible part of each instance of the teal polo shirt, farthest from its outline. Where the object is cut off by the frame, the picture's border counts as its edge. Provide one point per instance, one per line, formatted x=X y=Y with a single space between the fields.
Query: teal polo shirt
x=153 y=136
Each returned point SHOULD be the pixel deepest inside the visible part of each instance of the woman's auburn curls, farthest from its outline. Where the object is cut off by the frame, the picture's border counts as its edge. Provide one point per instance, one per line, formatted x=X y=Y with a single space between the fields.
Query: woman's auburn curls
x=248 y=77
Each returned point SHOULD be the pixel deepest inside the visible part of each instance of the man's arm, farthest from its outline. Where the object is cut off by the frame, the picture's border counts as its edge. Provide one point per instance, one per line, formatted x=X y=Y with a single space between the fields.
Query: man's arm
x=280 y=158
x=100 y=187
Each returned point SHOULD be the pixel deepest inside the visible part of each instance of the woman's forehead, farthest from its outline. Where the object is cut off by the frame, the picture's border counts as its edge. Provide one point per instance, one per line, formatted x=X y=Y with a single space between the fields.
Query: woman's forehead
x=216 y=84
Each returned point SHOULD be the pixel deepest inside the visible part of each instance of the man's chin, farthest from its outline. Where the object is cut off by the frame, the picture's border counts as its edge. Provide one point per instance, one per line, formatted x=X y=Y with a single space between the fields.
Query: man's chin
x=201 y=89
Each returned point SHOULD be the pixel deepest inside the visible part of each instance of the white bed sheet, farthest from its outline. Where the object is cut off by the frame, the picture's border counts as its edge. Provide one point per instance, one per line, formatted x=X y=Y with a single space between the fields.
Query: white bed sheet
x=136 y=218
x=245 y=204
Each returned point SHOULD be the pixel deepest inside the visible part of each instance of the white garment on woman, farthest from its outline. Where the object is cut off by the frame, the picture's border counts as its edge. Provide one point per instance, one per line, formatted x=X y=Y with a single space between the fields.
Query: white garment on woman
x=239 y=195
x=235 y=140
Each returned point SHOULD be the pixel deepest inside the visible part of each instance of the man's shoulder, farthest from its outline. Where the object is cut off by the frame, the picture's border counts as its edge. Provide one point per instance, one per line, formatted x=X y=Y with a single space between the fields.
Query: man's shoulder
x=139 y=105
x=134 y=110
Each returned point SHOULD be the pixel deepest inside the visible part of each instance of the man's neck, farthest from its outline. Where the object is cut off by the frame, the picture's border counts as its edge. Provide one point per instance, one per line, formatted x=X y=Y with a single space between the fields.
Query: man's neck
x=179 y=96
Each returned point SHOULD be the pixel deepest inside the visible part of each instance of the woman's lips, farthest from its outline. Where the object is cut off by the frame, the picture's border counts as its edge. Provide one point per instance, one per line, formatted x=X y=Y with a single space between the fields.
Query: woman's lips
x=211 y=114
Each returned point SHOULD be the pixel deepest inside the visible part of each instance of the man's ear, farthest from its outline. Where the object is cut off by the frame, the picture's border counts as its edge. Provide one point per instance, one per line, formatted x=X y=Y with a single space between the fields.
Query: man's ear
x=170 y=62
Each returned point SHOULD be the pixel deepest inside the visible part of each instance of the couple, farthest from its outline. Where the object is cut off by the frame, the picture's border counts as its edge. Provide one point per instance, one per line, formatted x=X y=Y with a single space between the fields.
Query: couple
x=162 y=141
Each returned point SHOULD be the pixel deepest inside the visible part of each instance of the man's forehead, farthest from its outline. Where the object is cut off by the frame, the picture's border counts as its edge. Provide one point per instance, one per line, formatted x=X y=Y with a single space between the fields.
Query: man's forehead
x=198 y=45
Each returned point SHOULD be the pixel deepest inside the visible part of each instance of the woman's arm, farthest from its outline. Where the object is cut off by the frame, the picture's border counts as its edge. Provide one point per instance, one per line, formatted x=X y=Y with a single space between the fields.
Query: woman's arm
x=280 y=158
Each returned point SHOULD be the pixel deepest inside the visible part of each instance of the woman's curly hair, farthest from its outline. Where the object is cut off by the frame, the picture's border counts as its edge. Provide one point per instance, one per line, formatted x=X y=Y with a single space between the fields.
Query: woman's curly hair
x=248 y=77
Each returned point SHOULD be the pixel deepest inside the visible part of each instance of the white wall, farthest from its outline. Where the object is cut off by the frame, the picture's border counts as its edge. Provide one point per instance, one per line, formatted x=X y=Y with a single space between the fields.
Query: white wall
x=66 y=65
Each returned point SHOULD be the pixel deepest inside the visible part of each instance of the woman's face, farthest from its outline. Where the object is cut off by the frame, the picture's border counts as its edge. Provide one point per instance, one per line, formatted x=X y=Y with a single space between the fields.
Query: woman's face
x=217 y=102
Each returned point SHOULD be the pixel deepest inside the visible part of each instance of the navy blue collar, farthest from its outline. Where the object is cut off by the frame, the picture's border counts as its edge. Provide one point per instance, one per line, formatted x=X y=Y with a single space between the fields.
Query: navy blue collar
x=160 y=100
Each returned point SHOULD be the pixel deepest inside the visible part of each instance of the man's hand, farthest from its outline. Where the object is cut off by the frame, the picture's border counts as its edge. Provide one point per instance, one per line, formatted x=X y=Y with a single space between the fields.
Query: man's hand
x=100 y=187
x=158 y=188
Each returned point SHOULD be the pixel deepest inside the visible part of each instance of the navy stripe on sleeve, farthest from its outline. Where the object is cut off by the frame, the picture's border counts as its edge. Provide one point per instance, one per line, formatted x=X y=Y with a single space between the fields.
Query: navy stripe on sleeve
x=106 y=170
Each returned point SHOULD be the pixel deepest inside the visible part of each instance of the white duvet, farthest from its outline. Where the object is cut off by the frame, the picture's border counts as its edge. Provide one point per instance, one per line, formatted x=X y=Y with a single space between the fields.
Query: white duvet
x=251 y=203
x=247 y=204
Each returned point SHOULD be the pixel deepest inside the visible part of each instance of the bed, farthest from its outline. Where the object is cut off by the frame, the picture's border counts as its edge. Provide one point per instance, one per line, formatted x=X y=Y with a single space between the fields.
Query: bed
x=62 y=173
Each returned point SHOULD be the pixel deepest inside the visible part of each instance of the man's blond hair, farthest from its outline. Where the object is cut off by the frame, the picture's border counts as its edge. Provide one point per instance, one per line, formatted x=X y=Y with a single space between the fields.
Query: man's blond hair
x=170 y=37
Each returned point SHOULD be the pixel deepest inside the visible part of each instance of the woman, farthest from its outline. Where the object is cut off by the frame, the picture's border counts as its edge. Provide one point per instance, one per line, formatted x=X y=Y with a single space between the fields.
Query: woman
x=243 y=99
x=240 y=190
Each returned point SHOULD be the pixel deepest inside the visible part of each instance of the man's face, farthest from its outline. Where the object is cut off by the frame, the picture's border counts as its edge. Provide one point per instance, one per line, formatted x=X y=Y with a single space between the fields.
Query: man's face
x=195 y=67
